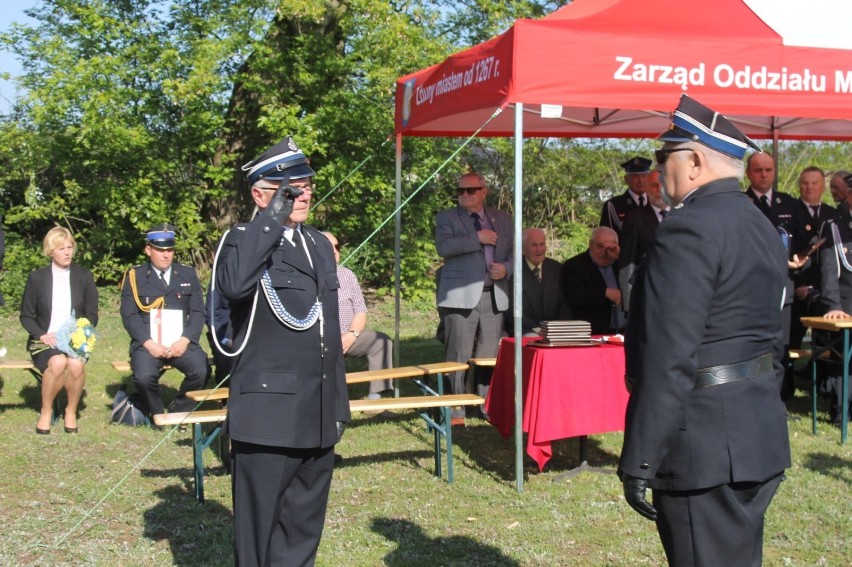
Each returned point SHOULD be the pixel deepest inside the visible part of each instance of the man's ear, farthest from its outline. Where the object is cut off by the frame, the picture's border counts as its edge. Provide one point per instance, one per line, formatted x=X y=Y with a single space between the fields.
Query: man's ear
x=697 y=163
x=257 y=197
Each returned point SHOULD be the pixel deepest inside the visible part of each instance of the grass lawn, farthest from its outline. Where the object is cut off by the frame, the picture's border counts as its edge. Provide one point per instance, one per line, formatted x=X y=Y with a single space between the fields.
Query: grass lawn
x=61 y=502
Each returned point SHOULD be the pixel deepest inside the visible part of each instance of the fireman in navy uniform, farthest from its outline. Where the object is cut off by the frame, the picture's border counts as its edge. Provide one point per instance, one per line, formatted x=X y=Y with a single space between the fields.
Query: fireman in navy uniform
x=288 y=402
x=636 y=175
x=705 y=427
x=836 y=267
x=163 y=283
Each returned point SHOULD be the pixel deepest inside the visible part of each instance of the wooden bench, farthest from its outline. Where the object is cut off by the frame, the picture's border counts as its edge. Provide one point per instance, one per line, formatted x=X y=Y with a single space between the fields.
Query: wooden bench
x=28 y=365
x=434 y=409
x=124 y=365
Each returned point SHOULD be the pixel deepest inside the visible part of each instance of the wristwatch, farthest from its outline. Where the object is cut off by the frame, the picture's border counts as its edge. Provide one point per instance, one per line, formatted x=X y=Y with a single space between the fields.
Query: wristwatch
x=354 y=332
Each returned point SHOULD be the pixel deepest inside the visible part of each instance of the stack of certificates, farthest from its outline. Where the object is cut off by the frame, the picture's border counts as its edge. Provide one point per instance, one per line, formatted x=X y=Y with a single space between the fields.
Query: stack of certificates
x=565 y=333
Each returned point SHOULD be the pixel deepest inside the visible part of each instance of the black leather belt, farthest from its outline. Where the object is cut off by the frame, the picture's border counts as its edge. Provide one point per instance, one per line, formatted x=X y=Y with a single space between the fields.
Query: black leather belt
x=724 y=373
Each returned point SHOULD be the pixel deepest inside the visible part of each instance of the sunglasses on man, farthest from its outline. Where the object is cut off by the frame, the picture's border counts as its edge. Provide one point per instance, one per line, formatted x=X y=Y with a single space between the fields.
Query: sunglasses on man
x=469 y=190
x=662 y=155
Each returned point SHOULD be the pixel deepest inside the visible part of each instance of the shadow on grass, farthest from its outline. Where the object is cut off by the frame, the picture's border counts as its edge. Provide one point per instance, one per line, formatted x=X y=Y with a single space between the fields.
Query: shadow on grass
x=411 y=458
x=495 y=456
x=832 y=466
x=415 y=548
x=197 y=534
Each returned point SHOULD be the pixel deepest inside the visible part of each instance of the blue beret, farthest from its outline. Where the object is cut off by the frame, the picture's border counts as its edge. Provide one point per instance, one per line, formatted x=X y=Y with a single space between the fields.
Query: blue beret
x=694 y=122
x=161 y=236
x=284 y=159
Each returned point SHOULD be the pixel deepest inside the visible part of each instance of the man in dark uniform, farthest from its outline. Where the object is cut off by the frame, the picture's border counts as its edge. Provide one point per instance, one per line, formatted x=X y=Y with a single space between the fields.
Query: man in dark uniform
x=705 y=427
x=636 y=235
x=288 y=403
x=775 y=205
x=836 y=267
x=173 y=290
x=809 y=226
x=636 y=176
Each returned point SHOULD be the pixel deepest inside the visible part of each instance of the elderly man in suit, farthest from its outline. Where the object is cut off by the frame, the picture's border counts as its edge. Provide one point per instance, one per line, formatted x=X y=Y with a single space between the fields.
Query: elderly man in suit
x=705 y=427
x=636 y=235
x=168 y=286
x=542 y=286
x=590 y=283
x=288 y=402
x=475 y=242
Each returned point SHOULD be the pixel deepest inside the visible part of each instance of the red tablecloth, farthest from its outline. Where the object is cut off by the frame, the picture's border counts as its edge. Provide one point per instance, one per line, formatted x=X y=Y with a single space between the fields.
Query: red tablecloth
x=568 y=392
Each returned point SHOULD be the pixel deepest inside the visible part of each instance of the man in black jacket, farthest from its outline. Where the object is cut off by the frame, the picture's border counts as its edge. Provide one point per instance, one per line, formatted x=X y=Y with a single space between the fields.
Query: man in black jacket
x=705 y=427
x=170 y=294
x=288 y=403
x=542 y=286
x=590 y=283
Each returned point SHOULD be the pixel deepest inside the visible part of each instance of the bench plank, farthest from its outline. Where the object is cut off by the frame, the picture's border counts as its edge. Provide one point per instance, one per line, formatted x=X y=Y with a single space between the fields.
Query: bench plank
x=185 y=417
x=16 y=364
x=414 y=371
x=483 y=362
x=416 y=402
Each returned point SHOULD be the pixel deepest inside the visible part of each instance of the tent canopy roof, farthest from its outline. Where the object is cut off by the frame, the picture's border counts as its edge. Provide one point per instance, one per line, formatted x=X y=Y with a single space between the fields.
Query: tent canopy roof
x=616 y=68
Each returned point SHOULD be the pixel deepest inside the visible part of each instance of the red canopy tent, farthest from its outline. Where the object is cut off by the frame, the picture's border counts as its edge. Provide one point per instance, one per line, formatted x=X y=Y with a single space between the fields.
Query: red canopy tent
x=616 y=69
x=780 y=69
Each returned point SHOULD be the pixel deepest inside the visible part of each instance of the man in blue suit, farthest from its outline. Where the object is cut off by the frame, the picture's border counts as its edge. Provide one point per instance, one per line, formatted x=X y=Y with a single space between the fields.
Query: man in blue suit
x=475 y=242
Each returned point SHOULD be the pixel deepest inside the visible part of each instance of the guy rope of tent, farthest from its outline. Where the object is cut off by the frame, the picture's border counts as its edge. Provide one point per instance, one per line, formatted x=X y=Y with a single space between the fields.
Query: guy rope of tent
x=121 y=481
x=350 y=174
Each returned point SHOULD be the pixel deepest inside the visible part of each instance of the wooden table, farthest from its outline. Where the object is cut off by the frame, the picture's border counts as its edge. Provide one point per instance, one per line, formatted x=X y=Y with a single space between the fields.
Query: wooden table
x=839 y=345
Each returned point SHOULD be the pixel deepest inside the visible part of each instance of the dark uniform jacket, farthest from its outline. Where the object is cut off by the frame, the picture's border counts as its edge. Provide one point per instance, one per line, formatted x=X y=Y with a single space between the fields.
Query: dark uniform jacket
x=782 y=208
x=808 y=230
x=584 y=290
x=543 y=300
x=836 y=277
x=615 y=210
x=708 y=293
x=288 y=387
x=636 y=236
x=183 y=292
x=37 y=301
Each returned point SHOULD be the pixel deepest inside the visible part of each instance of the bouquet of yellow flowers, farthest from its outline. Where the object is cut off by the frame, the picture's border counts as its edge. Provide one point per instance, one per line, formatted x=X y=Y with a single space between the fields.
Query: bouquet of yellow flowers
x=76 y=337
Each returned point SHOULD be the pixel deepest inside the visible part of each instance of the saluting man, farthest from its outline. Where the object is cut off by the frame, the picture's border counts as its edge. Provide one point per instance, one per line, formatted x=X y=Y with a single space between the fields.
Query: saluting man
x=163 y=284
x=705 y=427
x=288 y=403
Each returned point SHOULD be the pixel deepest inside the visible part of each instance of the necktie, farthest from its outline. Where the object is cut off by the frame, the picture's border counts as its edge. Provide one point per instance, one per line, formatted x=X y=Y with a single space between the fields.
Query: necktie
x=663 y=214
x=476 y=221
x=163 y=278
x=764 y=201
x=641 y=200
x=300 y=247
x=537 y=273
x=815 y=209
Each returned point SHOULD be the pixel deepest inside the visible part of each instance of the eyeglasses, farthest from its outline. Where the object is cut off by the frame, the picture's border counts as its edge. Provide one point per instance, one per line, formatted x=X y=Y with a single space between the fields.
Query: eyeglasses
x=469 y=190
x=309 y=188
x=662 y=155
x=336 y=246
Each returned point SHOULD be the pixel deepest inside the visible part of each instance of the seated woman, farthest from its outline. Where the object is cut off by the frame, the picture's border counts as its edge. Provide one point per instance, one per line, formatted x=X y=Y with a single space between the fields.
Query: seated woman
x=51 y=294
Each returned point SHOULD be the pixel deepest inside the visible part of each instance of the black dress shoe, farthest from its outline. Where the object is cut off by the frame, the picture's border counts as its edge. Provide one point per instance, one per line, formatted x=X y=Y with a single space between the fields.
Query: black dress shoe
x=40 y=431
x=70 y=429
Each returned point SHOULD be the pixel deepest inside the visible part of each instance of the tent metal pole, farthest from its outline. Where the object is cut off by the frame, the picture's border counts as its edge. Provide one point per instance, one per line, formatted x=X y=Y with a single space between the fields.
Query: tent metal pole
x=518 y=297
x=397 y=253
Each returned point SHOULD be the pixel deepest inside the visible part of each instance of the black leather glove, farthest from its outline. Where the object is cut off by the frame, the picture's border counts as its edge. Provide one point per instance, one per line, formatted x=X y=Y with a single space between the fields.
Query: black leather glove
x=341 y=427
x=634 y=493
x=281 y=205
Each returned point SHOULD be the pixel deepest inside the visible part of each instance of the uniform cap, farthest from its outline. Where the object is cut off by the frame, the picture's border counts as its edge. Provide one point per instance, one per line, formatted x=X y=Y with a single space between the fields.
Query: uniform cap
x=637 y=164
x=161 y=236
x=284 y=159
x=694 y=122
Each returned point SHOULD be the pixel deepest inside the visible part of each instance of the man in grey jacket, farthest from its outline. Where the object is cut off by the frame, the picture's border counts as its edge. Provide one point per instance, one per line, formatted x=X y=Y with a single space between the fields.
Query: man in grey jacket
x=473 y=289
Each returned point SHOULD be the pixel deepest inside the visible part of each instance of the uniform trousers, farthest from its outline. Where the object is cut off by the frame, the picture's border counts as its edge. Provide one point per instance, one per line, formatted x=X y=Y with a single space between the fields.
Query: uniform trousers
x=482 y=325
x=715 y=526
x=146 y=375
x=378 y=349
x=280 y=498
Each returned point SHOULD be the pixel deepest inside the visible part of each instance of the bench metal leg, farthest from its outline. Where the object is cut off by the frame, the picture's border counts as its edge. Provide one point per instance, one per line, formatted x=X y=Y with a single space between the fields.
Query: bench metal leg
x=199 y=443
